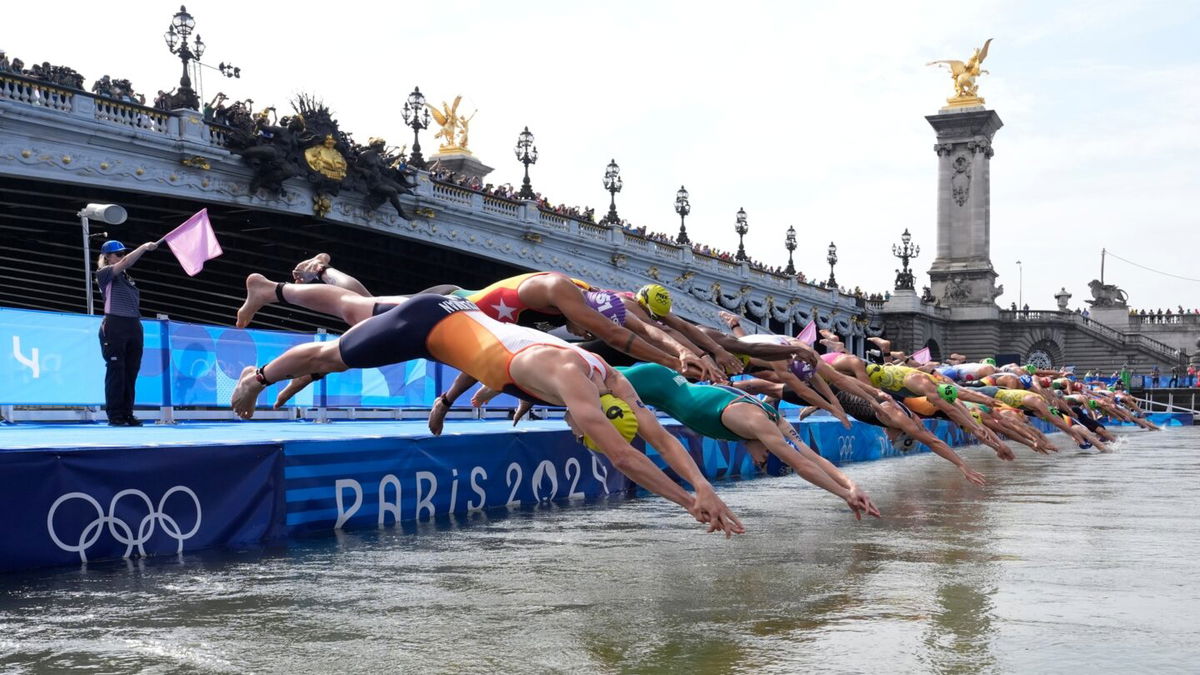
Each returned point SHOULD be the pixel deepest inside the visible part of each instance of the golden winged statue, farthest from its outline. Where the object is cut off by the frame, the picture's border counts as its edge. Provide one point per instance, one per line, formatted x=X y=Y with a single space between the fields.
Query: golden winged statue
x=454 y=127
x=966 y=92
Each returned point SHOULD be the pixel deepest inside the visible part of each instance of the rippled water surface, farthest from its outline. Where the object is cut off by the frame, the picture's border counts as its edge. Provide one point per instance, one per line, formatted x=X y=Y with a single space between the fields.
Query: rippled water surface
x=1060 y=564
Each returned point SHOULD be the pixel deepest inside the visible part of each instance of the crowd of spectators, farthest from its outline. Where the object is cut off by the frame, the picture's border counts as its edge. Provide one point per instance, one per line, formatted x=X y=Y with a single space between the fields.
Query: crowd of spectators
x=1163 y=316
x=69 y=78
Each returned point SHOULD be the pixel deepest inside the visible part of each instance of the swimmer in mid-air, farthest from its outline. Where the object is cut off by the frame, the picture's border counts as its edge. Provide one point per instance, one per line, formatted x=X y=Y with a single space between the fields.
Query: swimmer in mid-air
x=509 y=358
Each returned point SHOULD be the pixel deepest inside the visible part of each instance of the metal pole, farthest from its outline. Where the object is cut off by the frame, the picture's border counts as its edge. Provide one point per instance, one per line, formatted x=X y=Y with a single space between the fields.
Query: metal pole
x=1102 y=252
x=87 y=264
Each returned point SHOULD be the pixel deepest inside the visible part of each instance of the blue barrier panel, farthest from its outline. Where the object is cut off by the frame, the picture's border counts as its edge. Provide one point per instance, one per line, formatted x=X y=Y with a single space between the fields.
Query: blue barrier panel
x=373 y=482
x=70 y=506
x=411 y=384
x=206 y=362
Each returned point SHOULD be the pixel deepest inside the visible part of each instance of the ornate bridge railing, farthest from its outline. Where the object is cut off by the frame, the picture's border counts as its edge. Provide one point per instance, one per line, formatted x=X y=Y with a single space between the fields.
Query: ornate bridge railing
x=1095 y=327
x=188 y=157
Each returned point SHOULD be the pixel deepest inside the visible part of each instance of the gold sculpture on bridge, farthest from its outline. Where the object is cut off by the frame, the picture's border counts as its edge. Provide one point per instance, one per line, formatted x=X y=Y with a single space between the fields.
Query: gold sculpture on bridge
x=455 y=127
x=966 y=92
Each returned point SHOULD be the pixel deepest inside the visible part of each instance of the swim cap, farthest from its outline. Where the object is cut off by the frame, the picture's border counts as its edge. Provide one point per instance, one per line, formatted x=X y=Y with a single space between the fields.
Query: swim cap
x=1030 y=368
x=744 y=358
x=904 y=442
x=1043 y=382
x=873 y=368
x=1093 y=404
x=654 y=299
x=620 y=415
x=976 y=416
x=801 y=369
x=607 y=304
x=112 y=246
x=948 y=392
x=1056 y=384
x=990 y=361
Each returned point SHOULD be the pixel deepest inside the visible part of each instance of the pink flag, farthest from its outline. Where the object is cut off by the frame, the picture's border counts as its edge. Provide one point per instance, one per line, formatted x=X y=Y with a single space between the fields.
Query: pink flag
x=809 y=335
x=922 y=356
x=194 y=242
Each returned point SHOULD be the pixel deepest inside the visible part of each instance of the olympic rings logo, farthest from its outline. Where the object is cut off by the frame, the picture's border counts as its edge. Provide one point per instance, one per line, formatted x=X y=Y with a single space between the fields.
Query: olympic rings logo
x=118 y=528
x=846 y=448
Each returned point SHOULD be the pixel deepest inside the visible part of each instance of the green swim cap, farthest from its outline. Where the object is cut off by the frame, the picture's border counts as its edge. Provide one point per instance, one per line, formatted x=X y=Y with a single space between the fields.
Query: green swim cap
x=990 y=361
x=1030 y=368
x=1055 y=411
x=1093 y=404
x=1055 y=384
x=948 y=392
x=620 y=415
x=655 y=299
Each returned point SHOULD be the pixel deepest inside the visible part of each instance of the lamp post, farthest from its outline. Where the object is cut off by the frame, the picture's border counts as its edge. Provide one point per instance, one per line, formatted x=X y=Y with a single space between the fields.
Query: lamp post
x=612 y=183
x=905 y=252
x=527 y=154
x=832 y=260
x=109 y=214
x=682 y=207
x=1020 y=285
x=177 y=39
x=790 y=243
x=416 y=115
x=741 y=228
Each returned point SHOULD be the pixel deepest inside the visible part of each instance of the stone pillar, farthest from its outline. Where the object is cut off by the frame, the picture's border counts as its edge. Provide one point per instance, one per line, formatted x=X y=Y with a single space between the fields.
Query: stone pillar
x=962 y=273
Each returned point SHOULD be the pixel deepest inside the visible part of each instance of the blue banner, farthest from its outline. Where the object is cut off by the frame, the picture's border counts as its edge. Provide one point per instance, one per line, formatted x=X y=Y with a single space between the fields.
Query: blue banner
x=67 y=507
x=206 y=362
x=375 y=482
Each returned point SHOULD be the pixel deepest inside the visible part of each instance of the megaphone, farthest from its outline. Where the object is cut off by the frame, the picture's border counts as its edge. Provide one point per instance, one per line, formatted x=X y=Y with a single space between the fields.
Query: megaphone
x=110 y=214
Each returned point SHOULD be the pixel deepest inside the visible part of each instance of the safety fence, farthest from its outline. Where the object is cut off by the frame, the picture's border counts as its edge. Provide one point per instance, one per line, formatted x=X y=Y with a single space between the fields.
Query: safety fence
x=54 y=359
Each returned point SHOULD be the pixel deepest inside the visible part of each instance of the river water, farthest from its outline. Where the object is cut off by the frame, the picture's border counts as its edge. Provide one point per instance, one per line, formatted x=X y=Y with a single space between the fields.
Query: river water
x=1060 y=564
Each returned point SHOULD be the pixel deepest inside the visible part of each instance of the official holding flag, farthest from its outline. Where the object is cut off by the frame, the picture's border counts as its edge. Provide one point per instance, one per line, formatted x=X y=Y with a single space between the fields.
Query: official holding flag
x=193 y=243
x=121 y=329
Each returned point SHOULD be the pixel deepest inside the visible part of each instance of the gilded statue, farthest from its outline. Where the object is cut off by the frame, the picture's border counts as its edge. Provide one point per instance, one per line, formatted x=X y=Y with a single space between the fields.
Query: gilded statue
x=966 y=92
x=455 y=128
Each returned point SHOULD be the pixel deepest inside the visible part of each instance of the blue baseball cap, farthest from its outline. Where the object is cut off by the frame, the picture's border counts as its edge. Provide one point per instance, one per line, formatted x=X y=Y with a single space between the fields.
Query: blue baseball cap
x=112 y=246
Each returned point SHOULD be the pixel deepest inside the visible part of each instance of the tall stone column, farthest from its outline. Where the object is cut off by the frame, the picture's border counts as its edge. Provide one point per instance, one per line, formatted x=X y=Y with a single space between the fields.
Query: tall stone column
x=962 y=274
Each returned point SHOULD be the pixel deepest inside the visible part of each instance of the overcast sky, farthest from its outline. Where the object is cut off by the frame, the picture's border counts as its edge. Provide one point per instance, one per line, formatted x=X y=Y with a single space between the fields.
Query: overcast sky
x=804 y=114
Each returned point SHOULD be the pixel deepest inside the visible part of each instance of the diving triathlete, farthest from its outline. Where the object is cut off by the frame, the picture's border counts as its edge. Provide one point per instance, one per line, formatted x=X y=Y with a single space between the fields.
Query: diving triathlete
x=508 y=358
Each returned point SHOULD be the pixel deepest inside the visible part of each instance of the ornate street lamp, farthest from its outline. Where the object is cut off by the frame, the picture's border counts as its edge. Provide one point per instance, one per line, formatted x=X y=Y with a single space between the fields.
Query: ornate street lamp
x=790 y=243
x=905 y=252
x=416 y=115
x=527 y=154
x=741 y=228
x=612 y=183
x=682 y=207
x=832 y=260
x=177 y=39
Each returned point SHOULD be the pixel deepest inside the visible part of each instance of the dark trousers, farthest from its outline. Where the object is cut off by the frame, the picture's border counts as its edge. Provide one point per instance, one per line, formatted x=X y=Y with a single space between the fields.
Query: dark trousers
x=121 y=345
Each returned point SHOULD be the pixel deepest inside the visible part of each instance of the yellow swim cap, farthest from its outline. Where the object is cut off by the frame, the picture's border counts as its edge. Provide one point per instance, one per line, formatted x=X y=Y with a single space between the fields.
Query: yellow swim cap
x=654 y=299
x=620 y=415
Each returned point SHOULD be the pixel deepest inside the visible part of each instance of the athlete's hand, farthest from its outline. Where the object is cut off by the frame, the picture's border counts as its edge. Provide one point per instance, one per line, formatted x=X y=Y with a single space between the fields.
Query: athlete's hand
x=1004 y=452
x=730 y=320
x=806 y=354
x=714 y=512
x=691 y=366
x=845 y=420
x=972 y=475
x=808 y=411
x=861 y=503
x=294 y=387
x=307 y=270
x=730 y=364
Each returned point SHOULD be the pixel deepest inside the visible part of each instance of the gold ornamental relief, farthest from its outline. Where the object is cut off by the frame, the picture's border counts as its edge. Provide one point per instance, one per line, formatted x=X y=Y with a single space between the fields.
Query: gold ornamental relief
x=326 y=160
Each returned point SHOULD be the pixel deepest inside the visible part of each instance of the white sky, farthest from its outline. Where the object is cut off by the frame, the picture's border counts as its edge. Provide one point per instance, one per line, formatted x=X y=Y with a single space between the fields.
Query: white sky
x=806 y=114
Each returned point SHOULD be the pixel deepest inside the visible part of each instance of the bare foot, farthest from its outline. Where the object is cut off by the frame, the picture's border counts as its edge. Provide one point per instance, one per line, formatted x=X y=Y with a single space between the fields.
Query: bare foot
x=245 y=394
x=437 y=416
x=259 y=291
x=294 y=387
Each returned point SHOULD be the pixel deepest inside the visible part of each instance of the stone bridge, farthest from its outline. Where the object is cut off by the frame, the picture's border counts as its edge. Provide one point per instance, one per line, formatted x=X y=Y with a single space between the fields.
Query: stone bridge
x=51 y=136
